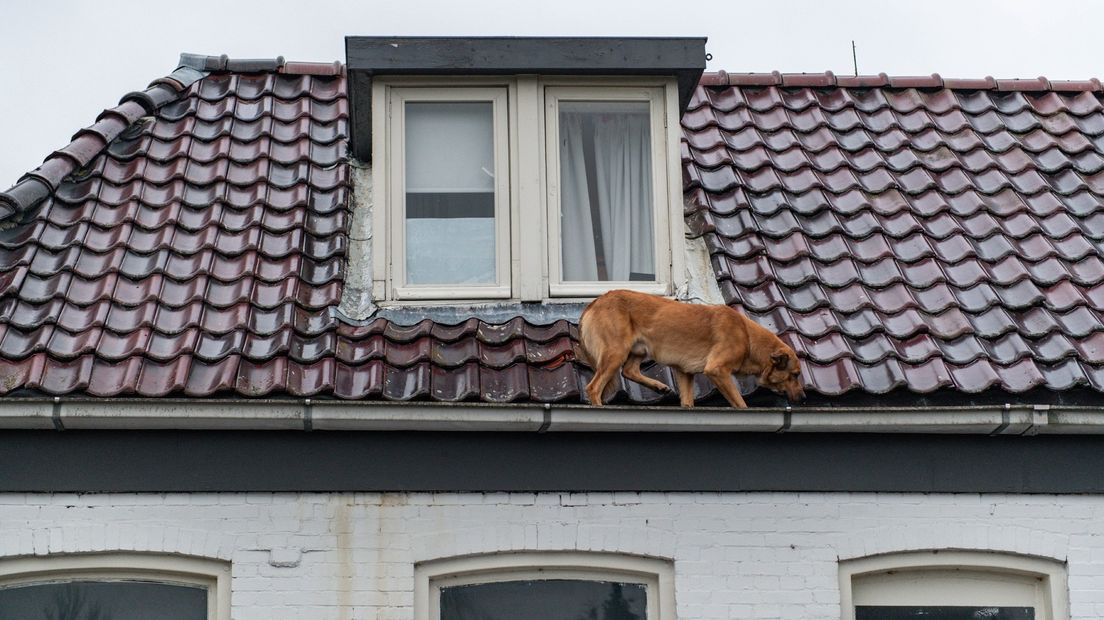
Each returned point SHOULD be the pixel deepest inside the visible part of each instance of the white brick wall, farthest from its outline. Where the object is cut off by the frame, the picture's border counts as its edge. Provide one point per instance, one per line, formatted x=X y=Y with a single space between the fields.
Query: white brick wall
x=757 y=555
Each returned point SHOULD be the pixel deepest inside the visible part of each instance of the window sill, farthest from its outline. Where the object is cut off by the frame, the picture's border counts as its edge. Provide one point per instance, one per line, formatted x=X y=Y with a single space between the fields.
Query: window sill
x=593 y=289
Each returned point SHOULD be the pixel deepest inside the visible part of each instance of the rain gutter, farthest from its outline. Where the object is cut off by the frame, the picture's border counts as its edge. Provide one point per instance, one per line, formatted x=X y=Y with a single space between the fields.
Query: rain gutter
x=61 y=414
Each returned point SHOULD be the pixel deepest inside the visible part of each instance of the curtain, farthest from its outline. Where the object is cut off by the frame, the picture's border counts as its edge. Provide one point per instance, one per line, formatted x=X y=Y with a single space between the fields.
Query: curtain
x=622 y=157
x=615 y=189
x=576 y=227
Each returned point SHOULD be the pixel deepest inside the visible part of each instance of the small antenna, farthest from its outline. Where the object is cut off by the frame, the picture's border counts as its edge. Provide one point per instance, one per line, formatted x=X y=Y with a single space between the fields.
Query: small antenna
x=854 y=58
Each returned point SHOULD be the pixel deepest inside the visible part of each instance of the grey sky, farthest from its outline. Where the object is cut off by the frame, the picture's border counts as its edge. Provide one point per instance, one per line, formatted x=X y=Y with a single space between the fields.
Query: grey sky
x=61 y=63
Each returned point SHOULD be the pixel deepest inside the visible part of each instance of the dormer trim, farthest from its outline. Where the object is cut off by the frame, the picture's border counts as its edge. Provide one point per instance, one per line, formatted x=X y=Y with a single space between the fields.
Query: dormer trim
x=366 y=57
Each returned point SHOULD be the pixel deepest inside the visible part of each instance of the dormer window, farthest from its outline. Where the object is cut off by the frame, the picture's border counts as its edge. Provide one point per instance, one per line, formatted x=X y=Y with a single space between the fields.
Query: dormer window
x=605 y=178
x=608 y=196
x=449 y=193
x=523 y=178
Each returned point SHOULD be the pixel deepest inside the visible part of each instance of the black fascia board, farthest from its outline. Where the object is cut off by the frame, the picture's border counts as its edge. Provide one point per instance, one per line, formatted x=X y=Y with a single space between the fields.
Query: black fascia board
x=501 y=55
x=425 y=461
x=366 y=57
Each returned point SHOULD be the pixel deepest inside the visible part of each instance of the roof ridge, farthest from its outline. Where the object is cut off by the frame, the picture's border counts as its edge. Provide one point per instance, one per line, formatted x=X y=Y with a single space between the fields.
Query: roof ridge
x=225 y=64
x=829 y=79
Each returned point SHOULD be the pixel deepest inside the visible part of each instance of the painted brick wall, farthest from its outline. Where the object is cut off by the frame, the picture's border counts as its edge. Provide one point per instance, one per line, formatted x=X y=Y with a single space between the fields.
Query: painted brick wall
x=762 y=555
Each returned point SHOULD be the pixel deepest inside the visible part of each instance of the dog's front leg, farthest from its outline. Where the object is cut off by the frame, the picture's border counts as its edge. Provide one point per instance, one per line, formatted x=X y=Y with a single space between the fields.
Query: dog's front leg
x=722 y=378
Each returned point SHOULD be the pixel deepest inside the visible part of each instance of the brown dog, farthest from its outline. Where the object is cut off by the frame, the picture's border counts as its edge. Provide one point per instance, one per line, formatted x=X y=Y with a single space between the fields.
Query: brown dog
x=622 y=328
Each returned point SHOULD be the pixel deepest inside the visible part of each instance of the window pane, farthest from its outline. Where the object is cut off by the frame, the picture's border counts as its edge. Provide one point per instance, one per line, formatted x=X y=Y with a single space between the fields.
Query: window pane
x=606 y=223
x=553 y=599
x=910 y=612
x=450 y=199
x=91 y=600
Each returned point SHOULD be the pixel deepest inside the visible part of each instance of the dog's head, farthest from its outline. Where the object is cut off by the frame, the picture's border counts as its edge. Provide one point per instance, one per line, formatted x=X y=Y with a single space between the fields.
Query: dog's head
x=782 y=373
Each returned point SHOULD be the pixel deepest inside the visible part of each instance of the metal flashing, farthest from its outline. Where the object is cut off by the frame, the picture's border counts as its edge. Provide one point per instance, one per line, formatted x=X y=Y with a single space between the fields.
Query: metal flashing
x=535 y=313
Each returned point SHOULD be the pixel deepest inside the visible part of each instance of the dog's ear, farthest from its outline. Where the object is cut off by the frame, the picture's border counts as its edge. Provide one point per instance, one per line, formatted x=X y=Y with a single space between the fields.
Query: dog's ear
x=780 y=360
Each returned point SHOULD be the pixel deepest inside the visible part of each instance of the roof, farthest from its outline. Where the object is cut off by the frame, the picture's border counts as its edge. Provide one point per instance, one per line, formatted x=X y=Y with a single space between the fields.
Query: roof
x=201 y=252
x=908 y=236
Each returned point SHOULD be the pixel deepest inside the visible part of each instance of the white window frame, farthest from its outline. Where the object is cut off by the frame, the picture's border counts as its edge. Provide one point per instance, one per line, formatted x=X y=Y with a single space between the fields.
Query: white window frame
x=657 y=576
x=899 y=579
x=396 y=155
x=530 y=250
x=653 y=96
x=212 y=575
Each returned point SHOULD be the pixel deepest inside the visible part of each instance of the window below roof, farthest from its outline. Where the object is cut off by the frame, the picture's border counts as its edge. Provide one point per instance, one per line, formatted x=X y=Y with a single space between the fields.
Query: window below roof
x=544 y=586
x=525 y=188
x=952 y=585
x=115 y=586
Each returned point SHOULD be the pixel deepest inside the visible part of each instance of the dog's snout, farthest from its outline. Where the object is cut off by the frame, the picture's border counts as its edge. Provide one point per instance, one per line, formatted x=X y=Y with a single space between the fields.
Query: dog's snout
x=797 y=394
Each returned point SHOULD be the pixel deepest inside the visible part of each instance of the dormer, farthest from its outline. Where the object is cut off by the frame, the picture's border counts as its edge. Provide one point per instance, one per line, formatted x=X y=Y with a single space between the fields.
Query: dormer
x=518 y=169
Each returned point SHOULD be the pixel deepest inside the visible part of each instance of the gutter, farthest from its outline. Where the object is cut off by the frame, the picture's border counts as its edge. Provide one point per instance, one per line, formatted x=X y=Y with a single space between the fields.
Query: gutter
x=62 y=414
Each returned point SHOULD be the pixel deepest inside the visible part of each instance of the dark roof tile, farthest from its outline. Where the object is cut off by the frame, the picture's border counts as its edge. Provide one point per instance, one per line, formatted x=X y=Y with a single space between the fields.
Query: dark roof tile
x=504 y=385
x=359 y=382
x=455 y=384
x=64 y=377
x=116 y=346
x=27 y=315
x=114 y=379
x=1064 y=375
x=409 y=383
x=311 y=379
x=554 y=384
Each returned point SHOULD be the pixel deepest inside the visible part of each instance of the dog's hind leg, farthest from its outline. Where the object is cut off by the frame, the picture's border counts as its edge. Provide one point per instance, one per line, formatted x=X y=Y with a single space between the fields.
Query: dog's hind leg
x=606 y=366
x=685 y=387
x=631 y=370
x=610 y=390
x=722 y=378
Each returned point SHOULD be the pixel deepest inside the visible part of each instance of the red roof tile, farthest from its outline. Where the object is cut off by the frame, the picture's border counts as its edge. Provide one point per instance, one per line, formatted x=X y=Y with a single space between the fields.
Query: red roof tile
x=904 y=234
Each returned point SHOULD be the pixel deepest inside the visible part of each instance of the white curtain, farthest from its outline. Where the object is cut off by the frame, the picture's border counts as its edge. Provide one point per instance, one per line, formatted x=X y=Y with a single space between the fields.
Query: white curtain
x=576 y=227
x=621 y=182
x=622 y=157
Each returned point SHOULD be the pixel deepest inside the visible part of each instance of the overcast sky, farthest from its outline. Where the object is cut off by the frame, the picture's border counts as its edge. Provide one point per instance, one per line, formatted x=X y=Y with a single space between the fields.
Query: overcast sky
x=61 y=63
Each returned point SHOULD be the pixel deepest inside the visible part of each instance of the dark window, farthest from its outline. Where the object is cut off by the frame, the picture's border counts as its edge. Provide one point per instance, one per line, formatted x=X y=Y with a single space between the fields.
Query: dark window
x=912 y=612
x=103 y=600
x=553 y=599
